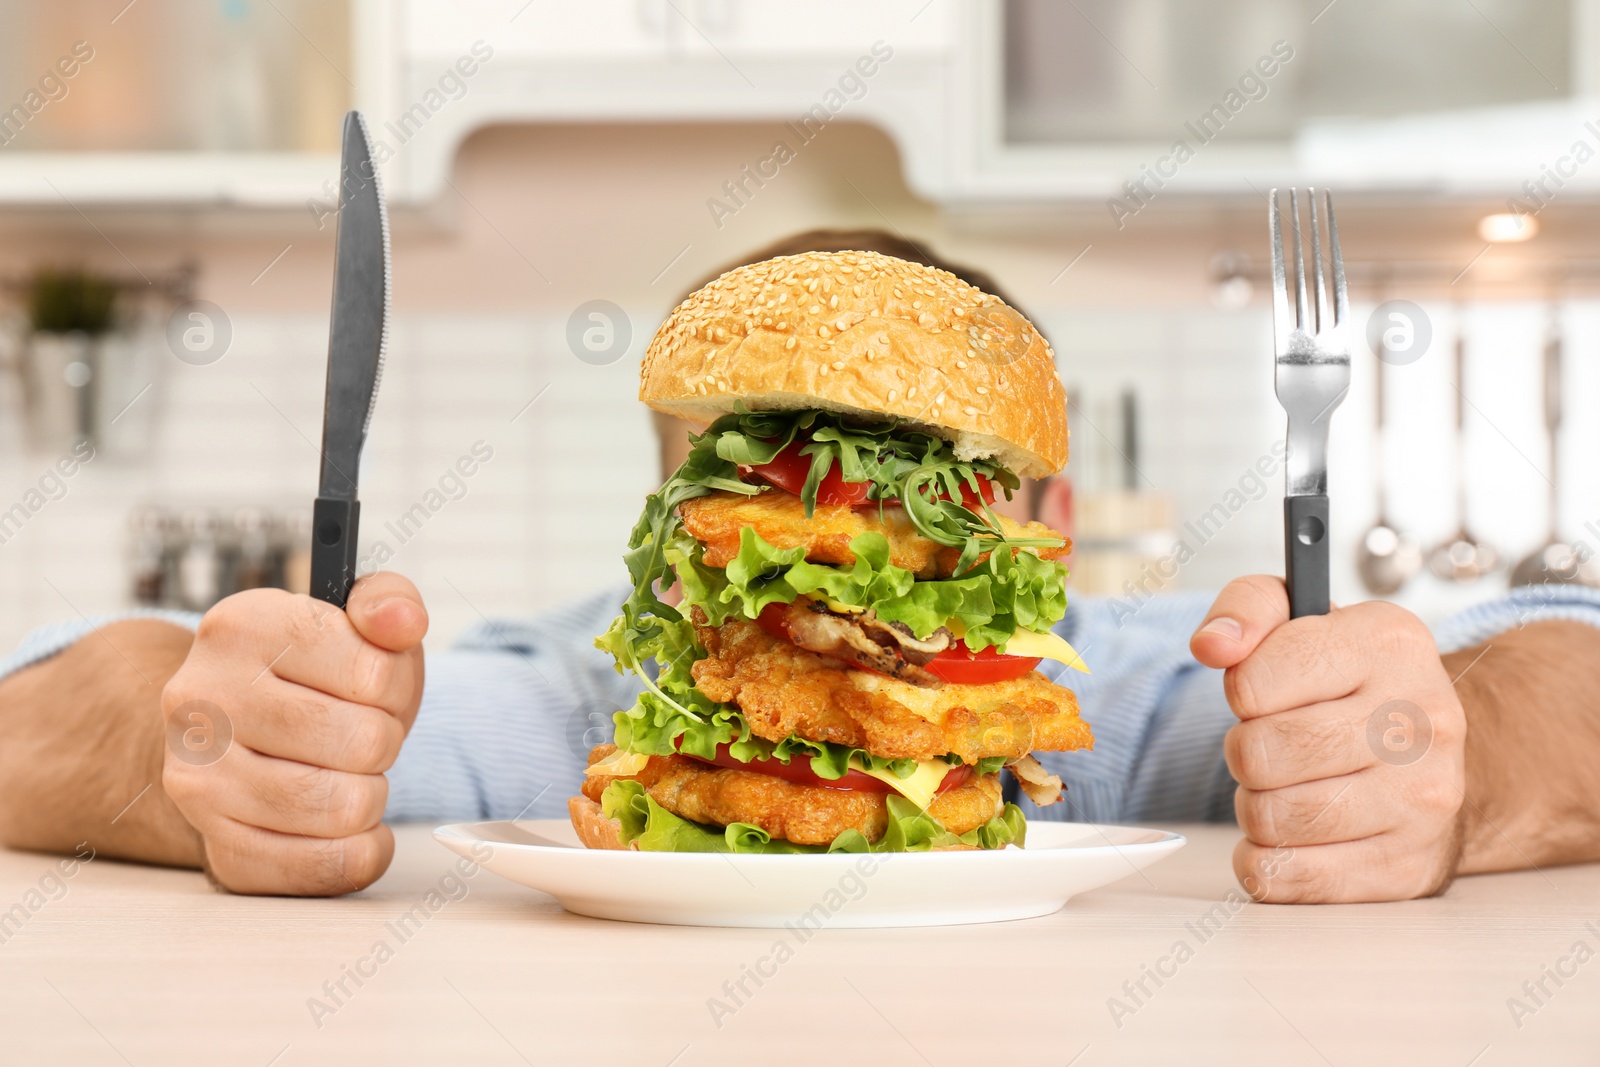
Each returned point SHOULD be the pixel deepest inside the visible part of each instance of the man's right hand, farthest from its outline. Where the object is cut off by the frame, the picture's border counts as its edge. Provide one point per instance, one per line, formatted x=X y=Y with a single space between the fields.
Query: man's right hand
x=318 y=701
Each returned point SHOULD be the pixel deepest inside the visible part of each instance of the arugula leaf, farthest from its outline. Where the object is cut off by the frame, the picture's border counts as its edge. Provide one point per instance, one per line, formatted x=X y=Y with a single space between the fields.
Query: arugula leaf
x=655 y=829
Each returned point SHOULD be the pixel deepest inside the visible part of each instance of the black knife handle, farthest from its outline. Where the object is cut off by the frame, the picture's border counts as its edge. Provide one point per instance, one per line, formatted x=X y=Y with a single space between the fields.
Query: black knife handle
x=1305 y=551
x=333 y=549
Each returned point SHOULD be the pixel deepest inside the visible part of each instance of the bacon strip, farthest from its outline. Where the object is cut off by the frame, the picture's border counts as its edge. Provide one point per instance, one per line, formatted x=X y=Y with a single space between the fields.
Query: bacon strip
x=866 y=641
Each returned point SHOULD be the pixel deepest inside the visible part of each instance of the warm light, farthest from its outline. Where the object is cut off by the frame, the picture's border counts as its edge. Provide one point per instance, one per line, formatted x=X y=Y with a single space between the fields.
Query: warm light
x=1499 y=229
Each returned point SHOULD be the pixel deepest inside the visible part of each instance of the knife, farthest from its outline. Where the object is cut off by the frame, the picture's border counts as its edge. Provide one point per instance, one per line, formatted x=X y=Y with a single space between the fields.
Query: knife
x=357 y=334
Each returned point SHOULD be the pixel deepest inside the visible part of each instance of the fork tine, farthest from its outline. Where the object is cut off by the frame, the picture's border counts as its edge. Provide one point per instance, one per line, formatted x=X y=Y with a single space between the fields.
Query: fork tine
x=1323 y=319
x=1341 y=297
x=1281 y=326
x=1301 y=310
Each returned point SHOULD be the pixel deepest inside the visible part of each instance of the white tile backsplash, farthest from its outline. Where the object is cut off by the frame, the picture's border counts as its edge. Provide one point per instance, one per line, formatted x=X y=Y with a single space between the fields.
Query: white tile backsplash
x=545 y=520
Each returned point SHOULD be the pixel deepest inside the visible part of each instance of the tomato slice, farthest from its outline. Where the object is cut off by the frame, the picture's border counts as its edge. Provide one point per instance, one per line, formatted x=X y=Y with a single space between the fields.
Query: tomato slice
x=790 y=468
x=959 y=665
x=771 y=620
x=798 y=770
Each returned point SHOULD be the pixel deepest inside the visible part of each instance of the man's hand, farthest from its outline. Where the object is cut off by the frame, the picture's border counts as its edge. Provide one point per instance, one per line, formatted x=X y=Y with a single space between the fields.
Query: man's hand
x=1348 y=752
x=318 y=702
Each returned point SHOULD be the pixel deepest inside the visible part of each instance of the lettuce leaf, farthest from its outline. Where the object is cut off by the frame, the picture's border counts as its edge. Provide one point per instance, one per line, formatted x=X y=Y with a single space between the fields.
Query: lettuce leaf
x=998 y=597
x=910 y=829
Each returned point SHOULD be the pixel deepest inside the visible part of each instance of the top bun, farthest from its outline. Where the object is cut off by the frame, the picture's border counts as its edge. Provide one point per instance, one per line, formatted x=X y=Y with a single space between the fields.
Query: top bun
x=864 y=334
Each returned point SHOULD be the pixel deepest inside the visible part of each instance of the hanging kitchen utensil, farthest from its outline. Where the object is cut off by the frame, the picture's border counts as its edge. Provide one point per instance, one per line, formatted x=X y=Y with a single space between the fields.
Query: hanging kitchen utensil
x=1555 y=562
x=1463 y=558
x=1386 y=557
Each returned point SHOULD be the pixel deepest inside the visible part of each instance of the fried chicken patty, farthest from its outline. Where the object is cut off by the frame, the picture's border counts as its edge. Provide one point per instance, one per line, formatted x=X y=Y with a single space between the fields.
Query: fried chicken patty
x=785 y=690
x=780 y=518
x=805 y=815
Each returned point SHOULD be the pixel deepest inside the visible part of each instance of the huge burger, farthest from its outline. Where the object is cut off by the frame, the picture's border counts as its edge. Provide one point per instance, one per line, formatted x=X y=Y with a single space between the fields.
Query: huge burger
x=851 y=665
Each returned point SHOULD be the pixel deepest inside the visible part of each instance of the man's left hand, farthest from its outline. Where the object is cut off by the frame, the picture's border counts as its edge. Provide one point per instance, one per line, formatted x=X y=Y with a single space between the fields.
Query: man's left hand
x=1348 y=752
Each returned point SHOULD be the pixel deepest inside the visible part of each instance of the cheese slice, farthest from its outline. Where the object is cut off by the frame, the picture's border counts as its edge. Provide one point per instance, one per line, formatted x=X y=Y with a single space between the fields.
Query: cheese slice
x=620 y=763
x=1044 y=646
x=920 y=788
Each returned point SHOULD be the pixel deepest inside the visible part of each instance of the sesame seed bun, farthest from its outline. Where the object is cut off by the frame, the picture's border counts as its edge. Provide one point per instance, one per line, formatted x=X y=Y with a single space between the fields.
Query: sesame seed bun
x=864 y=334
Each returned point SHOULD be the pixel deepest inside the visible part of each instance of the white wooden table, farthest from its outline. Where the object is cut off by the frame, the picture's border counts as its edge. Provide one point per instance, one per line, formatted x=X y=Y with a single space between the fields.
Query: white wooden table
x=123 y=964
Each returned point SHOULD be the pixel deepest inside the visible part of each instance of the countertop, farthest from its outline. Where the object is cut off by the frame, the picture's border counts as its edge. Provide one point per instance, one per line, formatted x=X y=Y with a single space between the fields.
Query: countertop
x=125 y=964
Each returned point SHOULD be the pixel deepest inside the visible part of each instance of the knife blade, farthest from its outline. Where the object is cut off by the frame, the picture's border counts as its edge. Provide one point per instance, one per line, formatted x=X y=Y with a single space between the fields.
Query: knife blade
x=357 y=335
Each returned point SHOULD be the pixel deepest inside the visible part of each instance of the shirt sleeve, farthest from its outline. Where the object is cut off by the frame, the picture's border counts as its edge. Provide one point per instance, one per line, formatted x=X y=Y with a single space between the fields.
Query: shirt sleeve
x=54 y=637
x=508 y=718
x=1158 y=716
x=1533 y=603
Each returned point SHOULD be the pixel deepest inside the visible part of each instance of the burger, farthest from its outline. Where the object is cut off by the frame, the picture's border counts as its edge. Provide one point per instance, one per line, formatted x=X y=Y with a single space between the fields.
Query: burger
x=836 y=633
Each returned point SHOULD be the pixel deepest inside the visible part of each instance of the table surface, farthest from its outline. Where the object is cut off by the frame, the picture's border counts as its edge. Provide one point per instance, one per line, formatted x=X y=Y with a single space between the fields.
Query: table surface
x=121 y=964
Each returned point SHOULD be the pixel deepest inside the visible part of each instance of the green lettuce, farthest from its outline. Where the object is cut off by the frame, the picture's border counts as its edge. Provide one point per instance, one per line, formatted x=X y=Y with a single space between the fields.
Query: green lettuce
x=911 y=466
x=656 y=727
x=910 y=829
x=998 y=597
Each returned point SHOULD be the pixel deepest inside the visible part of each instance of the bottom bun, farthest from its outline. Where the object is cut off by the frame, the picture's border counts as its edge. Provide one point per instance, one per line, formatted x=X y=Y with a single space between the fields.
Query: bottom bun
x=594 y=829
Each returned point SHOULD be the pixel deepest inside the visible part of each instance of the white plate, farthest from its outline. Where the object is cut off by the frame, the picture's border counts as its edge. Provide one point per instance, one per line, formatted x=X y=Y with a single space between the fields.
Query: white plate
x=839 y=890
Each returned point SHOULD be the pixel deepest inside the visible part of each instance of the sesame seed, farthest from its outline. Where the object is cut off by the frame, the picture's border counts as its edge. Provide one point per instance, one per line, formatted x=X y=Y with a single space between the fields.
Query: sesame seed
x=823 y=370
x=983 y=390
x=791 y=342
x=816 y=309
x=926 y=319
x=970 y=411
x=961 y=364
x=838 y=364
x=911 y=393
x=822 y=331
x=893 y=394
x=939 y=399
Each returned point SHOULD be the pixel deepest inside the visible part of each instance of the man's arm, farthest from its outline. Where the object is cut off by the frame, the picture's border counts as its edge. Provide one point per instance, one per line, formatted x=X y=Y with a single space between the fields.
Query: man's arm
x=1372 y=768
x=81 y=748
x=1532 y=700
x=256 y=749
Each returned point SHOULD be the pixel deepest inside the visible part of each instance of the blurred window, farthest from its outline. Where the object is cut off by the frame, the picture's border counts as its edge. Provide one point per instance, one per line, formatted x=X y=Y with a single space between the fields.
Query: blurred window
x=1136 y=70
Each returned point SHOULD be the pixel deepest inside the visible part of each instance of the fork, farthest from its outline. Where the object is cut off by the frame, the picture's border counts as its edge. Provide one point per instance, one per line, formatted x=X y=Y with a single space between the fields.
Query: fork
x=1312 y=377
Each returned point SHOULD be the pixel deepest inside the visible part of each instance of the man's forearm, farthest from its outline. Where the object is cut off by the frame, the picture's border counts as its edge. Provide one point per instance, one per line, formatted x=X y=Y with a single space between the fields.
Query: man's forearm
x=1532 y=701
x=81 y=748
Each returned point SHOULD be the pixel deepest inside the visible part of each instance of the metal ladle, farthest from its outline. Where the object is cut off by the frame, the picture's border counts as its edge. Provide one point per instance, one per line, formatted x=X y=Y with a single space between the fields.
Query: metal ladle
x=1463 y=558
x=1556 y=562
x=1386 y=557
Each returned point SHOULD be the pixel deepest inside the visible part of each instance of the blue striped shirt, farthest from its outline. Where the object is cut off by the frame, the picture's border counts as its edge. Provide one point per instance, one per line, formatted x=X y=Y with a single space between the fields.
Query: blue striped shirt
x=510 y=712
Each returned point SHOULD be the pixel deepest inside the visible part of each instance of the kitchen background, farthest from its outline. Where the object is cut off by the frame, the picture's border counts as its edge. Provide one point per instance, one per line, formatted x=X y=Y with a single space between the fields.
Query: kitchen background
x=166 y=255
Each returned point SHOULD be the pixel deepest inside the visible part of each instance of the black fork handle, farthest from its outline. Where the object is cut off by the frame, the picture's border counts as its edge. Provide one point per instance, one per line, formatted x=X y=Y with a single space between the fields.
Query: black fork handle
x=334 y=524
x=1305 y=551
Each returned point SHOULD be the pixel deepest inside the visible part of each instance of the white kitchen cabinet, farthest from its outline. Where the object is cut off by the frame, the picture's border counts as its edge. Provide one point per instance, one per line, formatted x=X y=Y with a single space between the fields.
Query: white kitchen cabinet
x=1029 y=101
